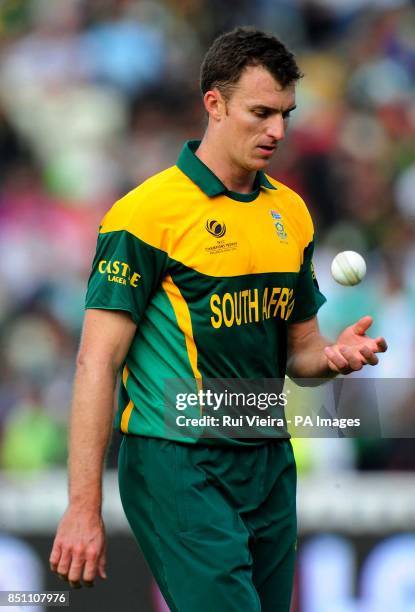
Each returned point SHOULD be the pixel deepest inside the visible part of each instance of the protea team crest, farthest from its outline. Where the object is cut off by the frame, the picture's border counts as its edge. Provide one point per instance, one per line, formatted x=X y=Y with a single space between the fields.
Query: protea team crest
x=216 y=228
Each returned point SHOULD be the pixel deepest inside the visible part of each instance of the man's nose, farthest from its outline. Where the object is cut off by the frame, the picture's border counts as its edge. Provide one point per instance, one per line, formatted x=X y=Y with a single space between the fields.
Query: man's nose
x=276 y=129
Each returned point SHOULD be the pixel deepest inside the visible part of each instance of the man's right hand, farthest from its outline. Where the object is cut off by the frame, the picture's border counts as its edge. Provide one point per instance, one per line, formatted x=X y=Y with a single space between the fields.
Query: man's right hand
x=79 y=549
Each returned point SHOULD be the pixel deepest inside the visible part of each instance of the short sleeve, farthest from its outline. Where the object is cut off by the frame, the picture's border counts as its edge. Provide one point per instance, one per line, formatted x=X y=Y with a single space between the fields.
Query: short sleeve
x=126 y=272
x=308 y=297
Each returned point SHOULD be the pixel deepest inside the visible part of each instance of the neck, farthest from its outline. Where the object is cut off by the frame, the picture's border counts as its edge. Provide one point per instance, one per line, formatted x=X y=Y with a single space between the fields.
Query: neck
x=235 y=178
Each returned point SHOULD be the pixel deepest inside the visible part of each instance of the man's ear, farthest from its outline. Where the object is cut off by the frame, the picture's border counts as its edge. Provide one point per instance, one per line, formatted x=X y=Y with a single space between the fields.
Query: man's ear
x=215 y=104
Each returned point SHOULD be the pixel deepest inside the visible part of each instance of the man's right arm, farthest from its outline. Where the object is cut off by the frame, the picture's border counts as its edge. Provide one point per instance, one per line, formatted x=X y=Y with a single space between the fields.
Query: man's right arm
x=79 y=548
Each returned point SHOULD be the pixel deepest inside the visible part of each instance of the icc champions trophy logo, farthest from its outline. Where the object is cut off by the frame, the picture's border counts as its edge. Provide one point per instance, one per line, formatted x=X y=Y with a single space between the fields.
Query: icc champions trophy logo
x=216 y=228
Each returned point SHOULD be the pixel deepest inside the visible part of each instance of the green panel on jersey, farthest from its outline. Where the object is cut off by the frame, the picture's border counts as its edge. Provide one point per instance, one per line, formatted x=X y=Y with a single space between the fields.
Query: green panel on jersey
x=158 y=352
x=307 y=287
x=125 y=273
x=236 y=317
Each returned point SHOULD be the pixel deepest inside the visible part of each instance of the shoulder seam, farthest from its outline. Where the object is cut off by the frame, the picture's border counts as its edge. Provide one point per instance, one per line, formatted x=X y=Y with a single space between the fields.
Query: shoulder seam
x=143 y=242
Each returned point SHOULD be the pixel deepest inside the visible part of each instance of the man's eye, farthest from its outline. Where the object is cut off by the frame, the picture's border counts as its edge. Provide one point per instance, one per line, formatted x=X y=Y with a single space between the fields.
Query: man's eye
x=286 y=115
x=260 y=113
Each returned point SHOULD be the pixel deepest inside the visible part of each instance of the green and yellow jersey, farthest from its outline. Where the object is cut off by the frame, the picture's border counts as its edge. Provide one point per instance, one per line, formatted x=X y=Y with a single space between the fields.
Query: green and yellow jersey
x=212 y=278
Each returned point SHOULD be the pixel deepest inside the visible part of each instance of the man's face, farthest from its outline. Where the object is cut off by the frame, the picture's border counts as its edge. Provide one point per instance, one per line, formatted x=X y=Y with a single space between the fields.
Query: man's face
x=254 y=118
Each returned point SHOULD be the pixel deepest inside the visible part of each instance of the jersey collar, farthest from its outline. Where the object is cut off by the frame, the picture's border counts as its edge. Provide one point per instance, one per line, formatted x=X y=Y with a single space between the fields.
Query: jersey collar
x=208 y=182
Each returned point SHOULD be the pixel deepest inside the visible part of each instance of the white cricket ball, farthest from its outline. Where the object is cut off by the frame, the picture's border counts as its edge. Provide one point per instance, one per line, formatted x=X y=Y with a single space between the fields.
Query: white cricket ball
x=348 y=268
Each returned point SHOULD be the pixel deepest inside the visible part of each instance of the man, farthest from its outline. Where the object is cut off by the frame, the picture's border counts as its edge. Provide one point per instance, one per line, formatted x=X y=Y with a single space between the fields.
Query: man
x=203 y=271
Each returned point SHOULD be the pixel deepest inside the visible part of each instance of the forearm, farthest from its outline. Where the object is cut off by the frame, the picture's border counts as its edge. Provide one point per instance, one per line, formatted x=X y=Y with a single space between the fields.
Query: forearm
x=90 y=431
x=308 y=360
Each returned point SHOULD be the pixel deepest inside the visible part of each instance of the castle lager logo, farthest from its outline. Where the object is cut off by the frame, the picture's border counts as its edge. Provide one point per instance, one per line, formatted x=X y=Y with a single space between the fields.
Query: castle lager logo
x=216 y=228
x=118 y=272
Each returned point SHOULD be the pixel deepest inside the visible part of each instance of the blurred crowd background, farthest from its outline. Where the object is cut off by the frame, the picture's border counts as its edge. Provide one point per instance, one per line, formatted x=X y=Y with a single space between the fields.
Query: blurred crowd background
x=97 y=95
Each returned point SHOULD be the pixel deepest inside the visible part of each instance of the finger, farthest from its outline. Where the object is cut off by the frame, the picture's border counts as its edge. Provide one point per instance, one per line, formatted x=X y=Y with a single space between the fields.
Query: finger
x=55 y=556
x=333 y=355
x=369 y=355
x=333 y=367
x=362 y=325
x=353 y=361
x=381 y=345
x=377 y=346
x=64 y=563
x=76 y=567
x=101 y=564
x=91 y=566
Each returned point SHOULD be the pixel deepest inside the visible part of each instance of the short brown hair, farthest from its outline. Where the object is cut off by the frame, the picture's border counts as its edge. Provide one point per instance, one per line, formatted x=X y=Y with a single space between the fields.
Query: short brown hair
x=231 y=52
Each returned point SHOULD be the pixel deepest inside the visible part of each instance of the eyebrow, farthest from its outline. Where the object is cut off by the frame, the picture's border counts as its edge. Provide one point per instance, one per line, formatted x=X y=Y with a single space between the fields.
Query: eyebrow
x=272 y=109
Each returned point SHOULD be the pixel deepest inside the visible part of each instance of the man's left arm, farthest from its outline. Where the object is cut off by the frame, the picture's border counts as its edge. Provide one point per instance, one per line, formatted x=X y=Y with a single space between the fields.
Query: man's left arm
x=310 y=355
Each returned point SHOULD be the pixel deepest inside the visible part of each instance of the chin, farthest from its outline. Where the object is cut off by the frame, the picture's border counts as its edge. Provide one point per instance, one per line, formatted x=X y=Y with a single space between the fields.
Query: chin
x=259 y=164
